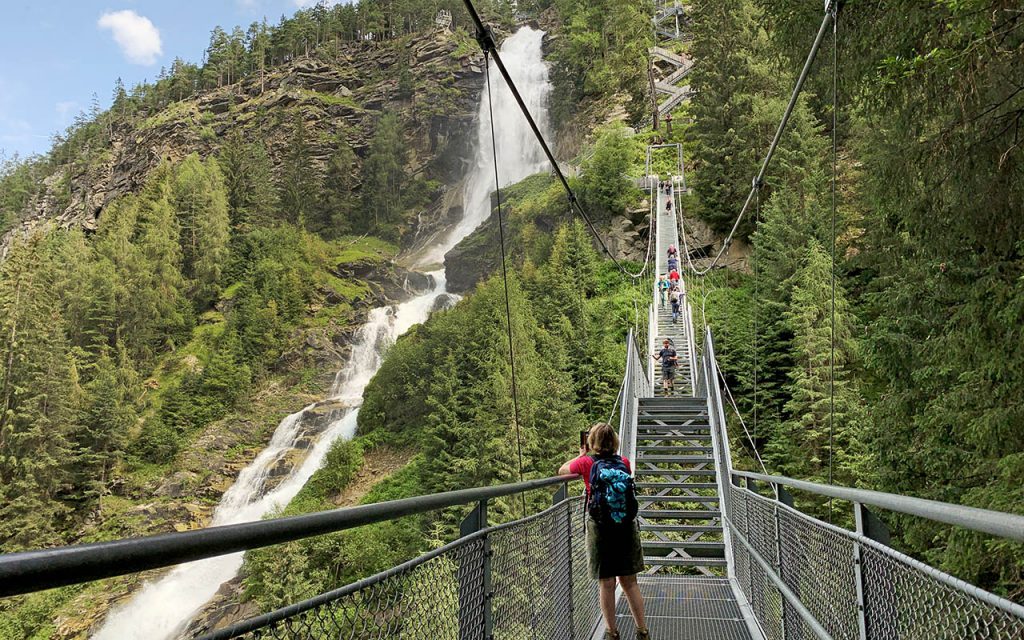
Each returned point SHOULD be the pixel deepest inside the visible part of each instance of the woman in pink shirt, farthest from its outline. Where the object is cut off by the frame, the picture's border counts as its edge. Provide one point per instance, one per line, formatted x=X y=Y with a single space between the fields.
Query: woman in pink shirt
x=614 y=551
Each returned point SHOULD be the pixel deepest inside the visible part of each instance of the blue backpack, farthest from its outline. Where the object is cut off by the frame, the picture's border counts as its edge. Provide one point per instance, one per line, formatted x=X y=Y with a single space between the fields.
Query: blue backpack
x=612 y=492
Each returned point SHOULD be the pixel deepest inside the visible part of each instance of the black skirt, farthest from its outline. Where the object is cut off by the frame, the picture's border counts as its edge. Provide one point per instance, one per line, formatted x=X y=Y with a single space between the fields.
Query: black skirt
x=614 y=550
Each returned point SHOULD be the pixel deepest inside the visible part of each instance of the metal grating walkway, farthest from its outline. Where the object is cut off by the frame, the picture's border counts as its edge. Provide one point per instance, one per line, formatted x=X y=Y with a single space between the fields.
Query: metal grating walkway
x=687 y=608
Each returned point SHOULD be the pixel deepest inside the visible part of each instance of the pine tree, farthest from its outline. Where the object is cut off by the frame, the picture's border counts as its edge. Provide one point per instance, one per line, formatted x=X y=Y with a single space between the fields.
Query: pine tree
x=338 y=201
x=200 y=200
x=37 y=387
x=384 y=176
x=801 y=448
x=249 y=179
x=109 y=413
x=300 y=177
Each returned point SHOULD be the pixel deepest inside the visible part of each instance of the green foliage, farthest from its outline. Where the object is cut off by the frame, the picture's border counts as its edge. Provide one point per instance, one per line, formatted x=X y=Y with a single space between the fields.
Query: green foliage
x=252 y=198
x=384 y=178
x=596 y=56
x=201 y=202
x=301 y=180
x=605 y=188
x=38 y=386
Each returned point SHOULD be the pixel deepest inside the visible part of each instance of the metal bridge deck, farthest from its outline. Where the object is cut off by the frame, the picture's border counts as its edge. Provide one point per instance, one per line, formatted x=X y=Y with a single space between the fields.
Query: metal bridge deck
x=686 y=608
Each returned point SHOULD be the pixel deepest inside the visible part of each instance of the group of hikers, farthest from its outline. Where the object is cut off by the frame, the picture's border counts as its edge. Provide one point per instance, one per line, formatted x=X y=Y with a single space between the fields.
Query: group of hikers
x=669 y=289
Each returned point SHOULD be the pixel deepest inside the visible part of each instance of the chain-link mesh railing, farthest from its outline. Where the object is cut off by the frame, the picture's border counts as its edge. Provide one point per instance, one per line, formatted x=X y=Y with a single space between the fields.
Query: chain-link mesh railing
x=524 y=579
x=806 y=579
x=833 y=572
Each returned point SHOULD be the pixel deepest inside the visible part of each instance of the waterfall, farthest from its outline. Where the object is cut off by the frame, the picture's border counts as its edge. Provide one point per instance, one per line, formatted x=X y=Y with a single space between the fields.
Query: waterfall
x=165 y=606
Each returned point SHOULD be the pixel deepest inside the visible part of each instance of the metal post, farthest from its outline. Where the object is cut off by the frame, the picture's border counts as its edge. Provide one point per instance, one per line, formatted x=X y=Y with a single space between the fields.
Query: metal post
x=475 y=593
x=787 y=627
x=567 y=632
x=858 y=574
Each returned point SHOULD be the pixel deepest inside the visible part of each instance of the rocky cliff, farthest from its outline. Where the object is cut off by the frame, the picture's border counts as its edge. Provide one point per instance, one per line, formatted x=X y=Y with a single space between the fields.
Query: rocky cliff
x=339 y=95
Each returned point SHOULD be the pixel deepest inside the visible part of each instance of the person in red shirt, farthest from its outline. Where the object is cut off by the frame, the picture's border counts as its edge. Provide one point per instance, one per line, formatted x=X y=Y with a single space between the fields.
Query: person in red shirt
x=614 y=553
x=673 y=276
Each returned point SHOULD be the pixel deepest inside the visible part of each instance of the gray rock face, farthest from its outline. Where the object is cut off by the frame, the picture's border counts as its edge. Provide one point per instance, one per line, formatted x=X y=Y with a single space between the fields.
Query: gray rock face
x=340 y=96
x=625 y=240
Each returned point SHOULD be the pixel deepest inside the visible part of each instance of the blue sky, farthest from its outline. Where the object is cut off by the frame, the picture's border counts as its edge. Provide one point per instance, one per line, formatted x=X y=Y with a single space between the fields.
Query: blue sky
x=54 y=54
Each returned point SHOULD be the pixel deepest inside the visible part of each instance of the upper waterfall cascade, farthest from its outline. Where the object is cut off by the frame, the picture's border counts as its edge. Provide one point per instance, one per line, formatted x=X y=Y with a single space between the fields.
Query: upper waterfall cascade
x=163 y=608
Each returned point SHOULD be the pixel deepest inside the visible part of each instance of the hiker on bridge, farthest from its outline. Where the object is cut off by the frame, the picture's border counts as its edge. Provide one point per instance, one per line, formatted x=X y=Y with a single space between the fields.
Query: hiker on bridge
x=672 y=251
x=662 y=288
x=673 y=277
x=673 y=263
x=614 y=550
x=669 y=359
x=677 y=303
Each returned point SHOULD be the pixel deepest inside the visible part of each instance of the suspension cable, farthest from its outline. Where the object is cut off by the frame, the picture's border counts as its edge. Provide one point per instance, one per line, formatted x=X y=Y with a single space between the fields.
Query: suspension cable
x=759 y=179
x=835 y=171
x=504 y=279
x=508 y=312
x=486 y=40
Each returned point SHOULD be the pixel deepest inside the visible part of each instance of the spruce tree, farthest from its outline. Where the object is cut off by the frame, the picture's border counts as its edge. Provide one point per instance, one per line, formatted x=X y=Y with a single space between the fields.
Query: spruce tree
x=200 y=200
x=337 y=202
x=384 y=176
x=801 y=448
x=249 y=180
x=37 y=389
x=301 y=181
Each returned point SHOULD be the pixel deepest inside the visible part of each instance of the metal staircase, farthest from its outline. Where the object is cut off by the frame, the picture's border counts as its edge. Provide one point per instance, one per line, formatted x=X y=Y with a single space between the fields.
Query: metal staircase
x=676 y=474
x=669 y=17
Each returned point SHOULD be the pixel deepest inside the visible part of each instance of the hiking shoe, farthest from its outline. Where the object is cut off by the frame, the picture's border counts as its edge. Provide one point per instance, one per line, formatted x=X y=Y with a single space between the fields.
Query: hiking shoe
x=643 y=635
x=608 y=635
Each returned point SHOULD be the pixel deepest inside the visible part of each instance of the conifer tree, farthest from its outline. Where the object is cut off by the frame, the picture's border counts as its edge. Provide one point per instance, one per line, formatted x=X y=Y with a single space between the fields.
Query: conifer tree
x=384 y=175
x=249 y=179
x=200 y=200
x=801 y=448
x=300 y=181
x=338 y=201
x=109 y=413
x=37 y=387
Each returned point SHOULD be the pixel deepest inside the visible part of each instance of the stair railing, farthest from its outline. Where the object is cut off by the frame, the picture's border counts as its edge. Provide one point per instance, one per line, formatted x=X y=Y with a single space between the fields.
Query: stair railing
x=804 y=578
x=635 y=385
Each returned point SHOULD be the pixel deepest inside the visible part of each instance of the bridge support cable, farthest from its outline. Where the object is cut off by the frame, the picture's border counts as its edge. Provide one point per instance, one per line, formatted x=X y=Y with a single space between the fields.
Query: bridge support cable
x=504 y=279
x=485 y=38
x=758 y=181
x=835 y=173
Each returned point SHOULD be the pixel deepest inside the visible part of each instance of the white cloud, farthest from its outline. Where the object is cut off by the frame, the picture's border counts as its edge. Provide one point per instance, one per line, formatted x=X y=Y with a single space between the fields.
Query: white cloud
x=138 y=38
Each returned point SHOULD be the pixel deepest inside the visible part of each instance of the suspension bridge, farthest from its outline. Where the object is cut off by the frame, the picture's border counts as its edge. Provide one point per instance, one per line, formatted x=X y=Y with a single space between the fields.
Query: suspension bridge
x=728 y=553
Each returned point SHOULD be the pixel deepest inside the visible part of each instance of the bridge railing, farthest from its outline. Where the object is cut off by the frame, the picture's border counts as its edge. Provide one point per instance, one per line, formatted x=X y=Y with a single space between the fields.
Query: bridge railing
x=635 y=385
x=805 y=578
x=505 y=581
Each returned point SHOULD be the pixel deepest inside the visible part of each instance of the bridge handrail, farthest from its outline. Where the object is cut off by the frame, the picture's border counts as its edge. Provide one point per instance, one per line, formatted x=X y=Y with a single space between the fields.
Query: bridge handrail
x=29 y=571
x=859 y=581
x=997 y=523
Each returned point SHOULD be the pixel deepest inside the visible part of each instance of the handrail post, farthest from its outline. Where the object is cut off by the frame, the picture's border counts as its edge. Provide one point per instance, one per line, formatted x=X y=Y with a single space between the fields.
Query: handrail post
x=868 y=525
x=475 y=579
x=565 y=551
x=787 y=626
x=858 y=573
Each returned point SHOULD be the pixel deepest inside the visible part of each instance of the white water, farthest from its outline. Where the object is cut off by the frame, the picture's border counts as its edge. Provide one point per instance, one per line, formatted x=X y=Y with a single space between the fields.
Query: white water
x=519 y=154
x=164 y=607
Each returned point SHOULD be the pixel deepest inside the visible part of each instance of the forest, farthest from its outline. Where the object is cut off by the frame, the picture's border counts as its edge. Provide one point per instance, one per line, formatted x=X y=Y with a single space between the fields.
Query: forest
x=192 y=300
